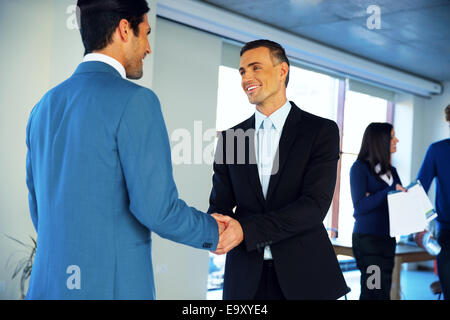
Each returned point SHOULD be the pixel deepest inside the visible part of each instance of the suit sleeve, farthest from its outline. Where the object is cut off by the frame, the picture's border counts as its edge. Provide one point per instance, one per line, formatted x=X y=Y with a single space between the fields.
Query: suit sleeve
x=310 y=209
x=144 y=152
x=358 y=187
x=29 y=179
x=222 y=199
x=427 y=171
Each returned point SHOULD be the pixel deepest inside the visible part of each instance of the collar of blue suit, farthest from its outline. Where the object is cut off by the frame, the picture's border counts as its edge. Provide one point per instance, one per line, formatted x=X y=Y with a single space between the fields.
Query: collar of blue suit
x=96 y=66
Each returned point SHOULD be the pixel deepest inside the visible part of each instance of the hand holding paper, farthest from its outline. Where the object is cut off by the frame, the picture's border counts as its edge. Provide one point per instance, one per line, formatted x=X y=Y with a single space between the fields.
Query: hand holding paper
x=409 y=211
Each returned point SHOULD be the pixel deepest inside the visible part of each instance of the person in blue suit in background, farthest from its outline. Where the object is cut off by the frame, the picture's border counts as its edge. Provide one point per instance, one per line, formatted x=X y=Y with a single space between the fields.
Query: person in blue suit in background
x=372 y=177
x=99 y=169
x=437 y=165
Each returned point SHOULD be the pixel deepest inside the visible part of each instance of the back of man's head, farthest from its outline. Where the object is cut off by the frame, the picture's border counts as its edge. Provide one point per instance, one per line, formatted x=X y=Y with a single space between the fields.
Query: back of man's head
x=100 y=18
x=447 y=113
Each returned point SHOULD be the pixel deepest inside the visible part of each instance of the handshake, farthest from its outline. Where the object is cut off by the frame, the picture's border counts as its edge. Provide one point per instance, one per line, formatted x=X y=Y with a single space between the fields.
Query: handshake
x=230 y=233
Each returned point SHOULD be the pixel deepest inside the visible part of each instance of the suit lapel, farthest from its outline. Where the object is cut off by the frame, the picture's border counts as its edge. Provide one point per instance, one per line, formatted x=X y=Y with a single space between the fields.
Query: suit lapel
x=288 y=136
x=251 y=167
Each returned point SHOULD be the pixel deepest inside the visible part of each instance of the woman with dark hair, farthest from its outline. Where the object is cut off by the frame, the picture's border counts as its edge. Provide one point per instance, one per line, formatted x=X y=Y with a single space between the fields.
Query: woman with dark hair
x=371 y=178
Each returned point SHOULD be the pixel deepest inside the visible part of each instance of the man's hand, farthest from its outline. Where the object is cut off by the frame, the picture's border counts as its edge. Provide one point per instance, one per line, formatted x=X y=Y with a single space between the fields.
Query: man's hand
x=222 y=226
x=220 y=223
x=231 y=237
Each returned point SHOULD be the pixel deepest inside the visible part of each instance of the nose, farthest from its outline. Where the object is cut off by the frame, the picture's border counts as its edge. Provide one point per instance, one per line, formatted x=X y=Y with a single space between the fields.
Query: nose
x=246 y=76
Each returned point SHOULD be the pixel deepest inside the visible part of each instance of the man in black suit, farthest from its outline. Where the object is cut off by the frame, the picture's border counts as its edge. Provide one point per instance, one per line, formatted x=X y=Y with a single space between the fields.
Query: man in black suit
x=274 y=178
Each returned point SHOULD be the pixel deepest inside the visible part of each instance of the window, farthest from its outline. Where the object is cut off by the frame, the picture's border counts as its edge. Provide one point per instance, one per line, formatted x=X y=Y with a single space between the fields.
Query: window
x=232 y=103
x=359 y=111
x=313 y=92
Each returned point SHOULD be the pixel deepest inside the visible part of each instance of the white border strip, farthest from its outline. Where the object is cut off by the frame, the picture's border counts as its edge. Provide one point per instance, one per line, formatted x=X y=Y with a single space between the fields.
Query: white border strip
x=209 y=18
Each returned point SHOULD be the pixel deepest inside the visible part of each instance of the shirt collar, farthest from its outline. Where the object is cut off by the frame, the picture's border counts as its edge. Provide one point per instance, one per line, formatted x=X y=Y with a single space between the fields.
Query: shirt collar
x=108 y=60
x=278 y=118
x=389 y=180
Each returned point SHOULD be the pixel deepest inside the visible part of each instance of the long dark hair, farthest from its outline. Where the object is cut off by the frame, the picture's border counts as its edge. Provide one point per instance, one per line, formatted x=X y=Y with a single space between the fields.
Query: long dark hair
x=376 y=146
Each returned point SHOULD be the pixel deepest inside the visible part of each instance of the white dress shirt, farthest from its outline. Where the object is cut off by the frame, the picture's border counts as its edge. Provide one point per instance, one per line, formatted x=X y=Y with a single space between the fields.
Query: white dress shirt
x=389 y=180
x=267 y=137
x=108 y=60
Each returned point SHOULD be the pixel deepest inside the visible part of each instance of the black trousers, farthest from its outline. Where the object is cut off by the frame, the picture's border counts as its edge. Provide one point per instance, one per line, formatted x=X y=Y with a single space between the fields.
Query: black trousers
x=443 y=262
x=375 y=256
x=269 y=288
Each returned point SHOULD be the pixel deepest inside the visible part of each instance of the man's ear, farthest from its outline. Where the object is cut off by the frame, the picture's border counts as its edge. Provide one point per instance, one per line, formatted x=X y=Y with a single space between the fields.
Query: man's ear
x=284 y=69
x=123 y=30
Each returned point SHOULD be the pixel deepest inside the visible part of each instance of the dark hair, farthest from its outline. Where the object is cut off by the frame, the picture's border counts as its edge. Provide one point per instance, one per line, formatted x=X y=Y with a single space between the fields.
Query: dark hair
x=100 y=18
x=447 y=113
x=276 y=50
x=376 y=146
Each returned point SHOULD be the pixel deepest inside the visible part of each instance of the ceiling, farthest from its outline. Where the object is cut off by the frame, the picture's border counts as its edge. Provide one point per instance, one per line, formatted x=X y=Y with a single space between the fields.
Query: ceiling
x=414 y=35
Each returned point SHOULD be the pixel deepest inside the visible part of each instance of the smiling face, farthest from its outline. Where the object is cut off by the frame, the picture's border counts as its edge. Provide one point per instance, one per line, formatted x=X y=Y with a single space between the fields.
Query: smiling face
x=263 y=79
x=394 y=142
x=137 y=50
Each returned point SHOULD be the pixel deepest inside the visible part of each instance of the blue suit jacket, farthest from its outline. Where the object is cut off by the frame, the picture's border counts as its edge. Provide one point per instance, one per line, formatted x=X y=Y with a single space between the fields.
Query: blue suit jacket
x=100 y=180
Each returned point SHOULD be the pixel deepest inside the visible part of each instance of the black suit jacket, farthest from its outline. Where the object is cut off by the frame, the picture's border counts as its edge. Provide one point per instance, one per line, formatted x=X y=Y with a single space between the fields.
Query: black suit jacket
x=290 y=219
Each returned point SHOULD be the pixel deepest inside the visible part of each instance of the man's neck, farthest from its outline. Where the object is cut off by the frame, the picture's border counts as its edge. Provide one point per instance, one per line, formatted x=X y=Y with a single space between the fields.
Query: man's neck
x=110 y=52
x=268 y=108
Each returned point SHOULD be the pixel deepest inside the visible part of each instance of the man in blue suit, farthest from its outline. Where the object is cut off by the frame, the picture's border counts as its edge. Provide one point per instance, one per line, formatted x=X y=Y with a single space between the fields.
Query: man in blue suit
x=99 y=169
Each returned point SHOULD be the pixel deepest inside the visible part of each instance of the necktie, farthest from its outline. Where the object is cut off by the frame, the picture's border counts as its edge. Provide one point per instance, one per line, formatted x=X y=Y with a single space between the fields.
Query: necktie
x=265 y=165
x=265 y=154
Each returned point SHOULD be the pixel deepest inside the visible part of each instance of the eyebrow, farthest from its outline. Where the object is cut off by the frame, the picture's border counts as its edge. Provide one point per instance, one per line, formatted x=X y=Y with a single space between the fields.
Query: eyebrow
x=249 y=65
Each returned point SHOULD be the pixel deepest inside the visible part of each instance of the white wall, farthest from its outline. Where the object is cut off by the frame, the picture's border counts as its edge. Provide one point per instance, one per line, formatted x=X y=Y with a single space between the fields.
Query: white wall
x=26 y=67
x=418 y=122
x=404 y=129
x=429 y=124
x=185 y=79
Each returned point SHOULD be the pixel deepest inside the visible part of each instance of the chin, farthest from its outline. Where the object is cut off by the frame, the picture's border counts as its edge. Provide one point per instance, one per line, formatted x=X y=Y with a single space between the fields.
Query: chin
x=135 y=75
x=253 y=100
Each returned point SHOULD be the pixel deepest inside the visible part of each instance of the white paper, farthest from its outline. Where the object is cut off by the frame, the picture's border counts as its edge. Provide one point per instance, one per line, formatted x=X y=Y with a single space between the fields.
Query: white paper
x=409 y=212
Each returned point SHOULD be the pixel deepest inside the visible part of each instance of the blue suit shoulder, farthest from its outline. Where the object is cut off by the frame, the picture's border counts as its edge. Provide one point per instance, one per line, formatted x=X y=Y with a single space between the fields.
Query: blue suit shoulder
x=438 y=145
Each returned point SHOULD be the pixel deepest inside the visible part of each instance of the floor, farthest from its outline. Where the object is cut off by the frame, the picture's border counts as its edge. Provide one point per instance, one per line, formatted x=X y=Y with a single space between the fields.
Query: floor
x=415 y=285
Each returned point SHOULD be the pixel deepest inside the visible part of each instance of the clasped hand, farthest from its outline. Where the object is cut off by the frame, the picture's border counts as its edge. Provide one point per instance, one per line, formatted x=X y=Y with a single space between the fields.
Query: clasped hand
x=230 y=233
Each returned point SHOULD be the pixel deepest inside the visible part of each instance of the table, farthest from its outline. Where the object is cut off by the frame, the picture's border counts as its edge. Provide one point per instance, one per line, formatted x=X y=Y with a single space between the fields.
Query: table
x=403 y=253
